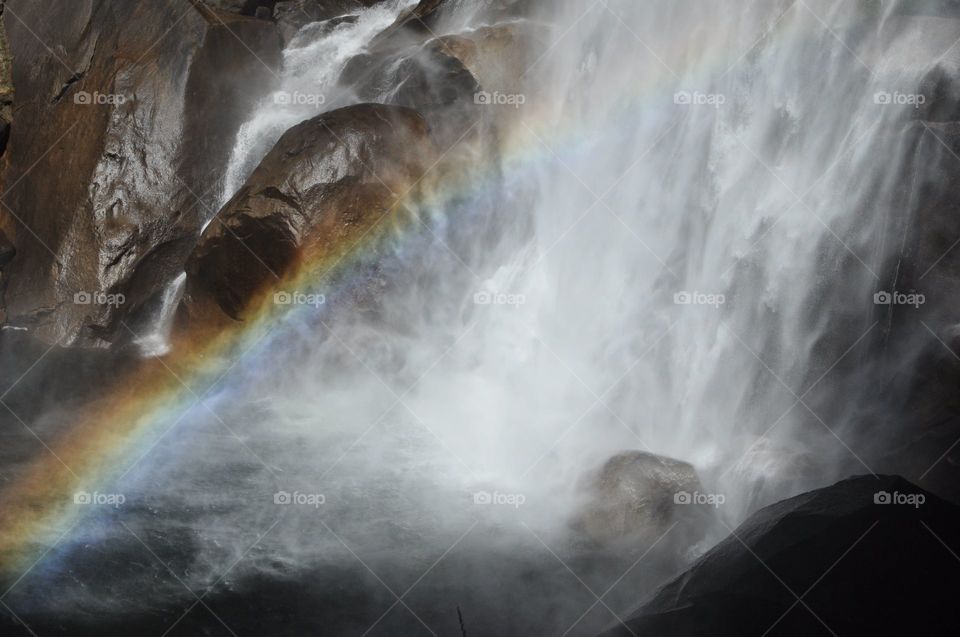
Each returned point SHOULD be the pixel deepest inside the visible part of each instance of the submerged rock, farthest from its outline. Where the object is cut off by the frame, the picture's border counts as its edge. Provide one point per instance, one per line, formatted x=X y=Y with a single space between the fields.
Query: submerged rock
x=316 y=193
x=636 y=497
x=867 y=556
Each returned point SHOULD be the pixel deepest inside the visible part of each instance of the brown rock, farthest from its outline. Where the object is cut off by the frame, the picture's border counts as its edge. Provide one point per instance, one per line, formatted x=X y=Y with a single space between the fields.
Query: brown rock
x=125 y=120
x=321 y=188
x=635 y=498
x=425 y=78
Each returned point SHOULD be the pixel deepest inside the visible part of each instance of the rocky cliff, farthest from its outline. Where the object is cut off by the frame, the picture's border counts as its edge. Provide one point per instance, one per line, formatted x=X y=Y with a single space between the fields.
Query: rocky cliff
x=126 y=115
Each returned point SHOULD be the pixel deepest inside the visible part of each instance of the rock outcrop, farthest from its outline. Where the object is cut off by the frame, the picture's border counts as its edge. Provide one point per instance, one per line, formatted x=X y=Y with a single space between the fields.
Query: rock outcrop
x=321 y=188
x=127 y=112
x=865 y=556
x=636 y=497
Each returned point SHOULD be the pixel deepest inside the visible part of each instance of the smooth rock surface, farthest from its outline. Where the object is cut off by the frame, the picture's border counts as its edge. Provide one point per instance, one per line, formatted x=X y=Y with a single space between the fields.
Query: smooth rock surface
x=321 y=186
x=127 y=114
x=860 y=566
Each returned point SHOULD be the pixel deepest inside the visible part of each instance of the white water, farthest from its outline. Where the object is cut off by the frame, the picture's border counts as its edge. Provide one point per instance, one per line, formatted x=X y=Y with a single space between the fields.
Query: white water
x=782 y=199
x=311 y=65
x=157 y=343
x=773 y=199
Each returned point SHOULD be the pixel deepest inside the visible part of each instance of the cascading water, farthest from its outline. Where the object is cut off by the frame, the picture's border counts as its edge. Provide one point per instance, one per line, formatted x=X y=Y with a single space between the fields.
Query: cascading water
x=308 y=84
x=157 y=343
x=710 y=225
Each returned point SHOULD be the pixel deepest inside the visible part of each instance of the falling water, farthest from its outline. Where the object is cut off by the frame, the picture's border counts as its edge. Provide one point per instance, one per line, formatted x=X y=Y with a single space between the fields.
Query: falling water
x=157 y=343
x=710 y=228
x=311 y=65
x=717 y=198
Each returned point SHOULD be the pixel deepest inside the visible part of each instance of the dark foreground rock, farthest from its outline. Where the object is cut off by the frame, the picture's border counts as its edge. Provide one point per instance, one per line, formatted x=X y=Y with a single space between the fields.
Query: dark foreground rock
x=865 y=556
x=317 y=192
x=126 y=116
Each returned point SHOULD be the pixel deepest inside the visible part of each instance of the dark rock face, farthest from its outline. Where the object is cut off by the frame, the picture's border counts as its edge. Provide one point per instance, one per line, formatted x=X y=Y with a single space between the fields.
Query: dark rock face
x=6 y=87
x=867 y=556
x=252 y=8
x=636 y=497
x=125 y=123
x=7 y=251
x=320 y=188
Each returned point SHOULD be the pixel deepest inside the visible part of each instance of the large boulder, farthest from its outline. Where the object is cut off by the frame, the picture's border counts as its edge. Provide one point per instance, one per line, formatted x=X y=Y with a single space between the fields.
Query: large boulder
x=636 y=497
x=127 y=113
x=866 y=556
x=322 y=187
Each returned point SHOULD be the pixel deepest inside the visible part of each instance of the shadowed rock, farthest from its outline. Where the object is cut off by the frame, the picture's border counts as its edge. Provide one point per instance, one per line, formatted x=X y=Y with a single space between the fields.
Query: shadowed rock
x=866 y=556
x=6 y=86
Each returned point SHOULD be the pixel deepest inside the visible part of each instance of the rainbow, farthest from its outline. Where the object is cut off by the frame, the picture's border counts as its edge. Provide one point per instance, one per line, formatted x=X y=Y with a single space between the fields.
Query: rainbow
x=116 y=432
x=119 y=430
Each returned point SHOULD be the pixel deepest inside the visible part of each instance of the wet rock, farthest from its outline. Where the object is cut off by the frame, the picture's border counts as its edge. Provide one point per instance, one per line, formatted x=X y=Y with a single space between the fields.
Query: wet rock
x=867 y=556
x=7 y=250
x=129 y=112
x=428 y=18
x=497 y=55
x=635 y=498
x=253 y=8
x=325 y=184
x=6 y=86
x=426 y=78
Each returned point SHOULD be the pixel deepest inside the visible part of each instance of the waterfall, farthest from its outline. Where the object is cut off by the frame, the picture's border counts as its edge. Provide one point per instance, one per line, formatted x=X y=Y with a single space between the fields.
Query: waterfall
x=711 y=223
x=312 y=63
x=157 y=342
x=719 y=194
